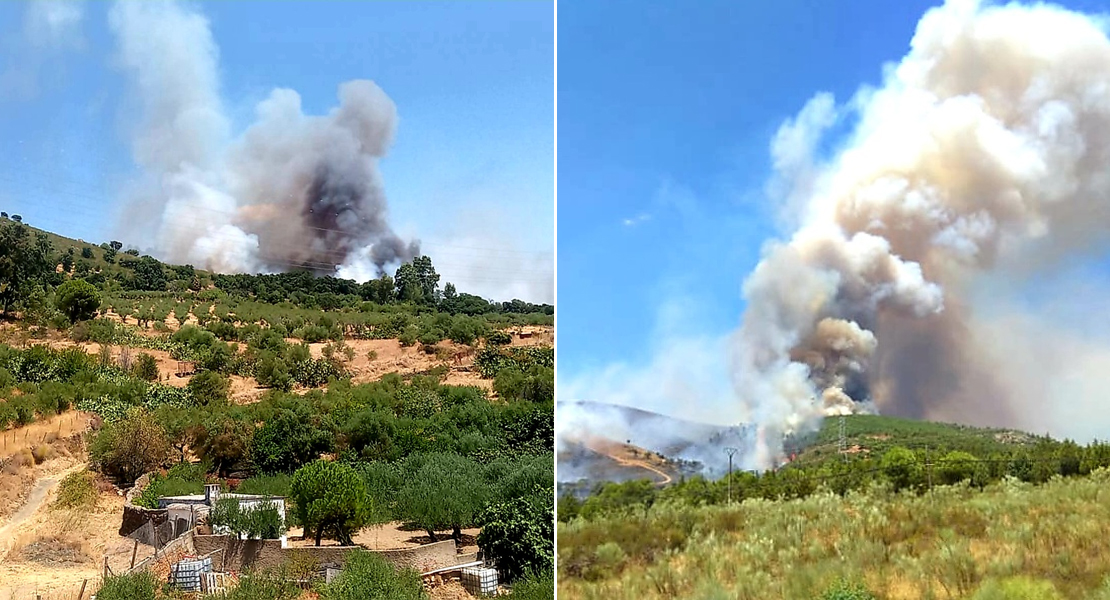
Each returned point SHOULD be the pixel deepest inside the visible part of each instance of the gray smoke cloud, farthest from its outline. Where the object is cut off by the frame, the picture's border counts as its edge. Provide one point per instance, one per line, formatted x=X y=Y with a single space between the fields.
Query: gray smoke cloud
x=980 y=159
x=293 y=191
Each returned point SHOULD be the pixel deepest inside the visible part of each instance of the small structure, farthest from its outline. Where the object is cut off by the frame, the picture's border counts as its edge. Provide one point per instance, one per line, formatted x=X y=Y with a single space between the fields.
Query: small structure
x=186 y=367
x=187 y=510
x=187 y=575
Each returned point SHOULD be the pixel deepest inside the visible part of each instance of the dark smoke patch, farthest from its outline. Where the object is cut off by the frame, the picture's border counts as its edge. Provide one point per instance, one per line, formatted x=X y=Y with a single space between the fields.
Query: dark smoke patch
x=343 y=215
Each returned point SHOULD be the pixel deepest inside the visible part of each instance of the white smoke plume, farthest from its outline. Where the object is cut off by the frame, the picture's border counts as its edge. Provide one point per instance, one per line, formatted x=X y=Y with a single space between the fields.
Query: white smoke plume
x=982 y=157
x=293 y=191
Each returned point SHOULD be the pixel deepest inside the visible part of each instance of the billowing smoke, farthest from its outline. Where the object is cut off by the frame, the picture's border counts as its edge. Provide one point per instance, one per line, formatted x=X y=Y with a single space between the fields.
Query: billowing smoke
x=293 y=191
x=981 y=158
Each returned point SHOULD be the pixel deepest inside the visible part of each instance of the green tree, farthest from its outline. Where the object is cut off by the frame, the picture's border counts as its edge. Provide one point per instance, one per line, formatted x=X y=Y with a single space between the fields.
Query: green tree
x=208 y=387
x=109 y=252
x=902 y=468
x=78 y=299
x=520 y=533
x=286 y=442
x=368 y=575
x=443 y=491
x=407 y=281
x=331 y=499
x=149 y=275
x=130 y=447
x=224 y=441
x=86 y=252
x=181 y=424
x=956 y=466
x=24 y=263
x=427 y=277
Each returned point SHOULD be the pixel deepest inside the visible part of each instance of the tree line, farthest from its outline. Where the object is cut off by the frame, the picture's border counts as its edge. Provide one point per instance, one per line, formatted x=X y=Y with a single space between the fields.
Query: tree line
x=903 y=469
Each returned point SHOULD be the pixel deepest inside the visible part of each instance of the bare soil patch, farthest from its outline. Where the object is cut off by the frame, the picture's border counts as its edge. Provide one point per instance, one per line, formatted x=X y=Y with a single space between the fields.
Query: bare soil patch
x=392 y=536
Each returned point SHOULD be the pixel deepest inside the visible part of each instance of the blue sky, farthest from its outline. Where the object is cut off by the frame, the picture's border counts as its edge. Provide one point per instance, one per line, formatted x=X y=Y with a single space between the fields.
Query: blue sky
x=472 y=83
x=666 y=114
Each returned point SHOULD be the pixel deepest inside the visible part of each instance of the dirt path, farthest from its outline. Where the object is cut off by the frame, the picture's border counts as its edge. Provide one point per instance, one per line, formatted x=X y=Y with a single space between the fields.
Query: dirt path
x=34 y=502
x=613 y=451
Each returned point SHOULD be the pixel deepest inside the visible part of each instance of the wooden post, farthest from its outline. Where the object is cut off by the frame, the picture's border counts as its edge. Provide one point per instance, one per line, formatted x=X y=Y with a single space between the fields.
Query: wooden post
x=133 y=552
x=82 y=592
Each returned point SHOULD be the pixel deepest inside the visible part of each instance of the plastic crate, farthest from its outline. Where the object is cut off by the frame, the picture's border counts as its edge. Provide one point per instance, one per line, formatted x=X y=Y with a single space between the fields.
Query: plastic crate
x=479 y=580
x=186 y=575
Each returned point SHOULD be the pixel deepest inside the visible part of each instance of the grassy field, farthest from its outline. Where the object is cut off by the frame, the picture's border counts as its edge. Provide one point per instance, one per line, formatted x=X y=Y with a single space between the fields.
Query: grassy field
x=951 y=542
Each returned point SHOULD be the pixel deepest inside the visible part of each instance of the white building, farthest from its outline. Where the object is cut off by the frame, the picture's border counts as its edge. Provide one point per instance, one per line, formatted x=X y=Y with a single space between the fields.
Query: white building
x=185 y=511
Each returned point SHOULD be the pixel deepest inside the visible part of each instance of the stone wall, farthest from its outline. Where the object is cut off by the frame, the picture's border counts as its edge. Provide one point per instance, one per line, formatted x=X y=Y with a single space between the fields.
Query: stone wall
x=134 y=517
x=240 y=555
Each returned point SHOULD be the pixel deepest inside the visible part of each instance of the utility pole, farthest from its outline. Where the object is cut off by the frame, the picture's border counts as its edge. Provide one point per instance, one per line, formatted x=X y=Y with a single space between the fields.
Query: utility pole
x=929 y=468
x=730 y=451
x=843 y=438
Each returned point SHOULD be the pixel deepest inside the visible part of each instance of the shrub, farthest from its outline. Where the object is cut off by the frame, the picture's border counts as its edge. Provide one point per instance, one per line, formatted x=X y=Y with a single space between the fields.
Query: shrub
x=42 y=453
x=367 y=575
x=535 y=587
x=76 y=490
x=146 y=367
x=1017 y=588
x=273 y=372
x=266 y=485
x=499 y=338
x=261 y=522
x=537 y=385
x=260 y=586
x=130 y=447
x=141 y=585
x=843 y=590
x=209 y=387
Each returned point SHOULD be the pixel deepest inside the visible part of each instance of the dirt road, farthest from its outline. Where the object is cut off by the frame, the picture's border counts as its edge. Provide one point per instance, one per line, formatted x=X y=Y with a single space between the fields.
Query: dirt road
x=34 y=502
x=619 y=453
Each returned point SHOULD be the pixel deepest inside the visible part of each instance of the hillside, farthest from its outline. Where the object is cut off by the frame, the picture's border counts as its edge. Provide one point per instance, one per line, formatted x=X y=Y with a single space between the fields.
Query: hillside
x=875 y=434
x=123 y=371
x=600 y=439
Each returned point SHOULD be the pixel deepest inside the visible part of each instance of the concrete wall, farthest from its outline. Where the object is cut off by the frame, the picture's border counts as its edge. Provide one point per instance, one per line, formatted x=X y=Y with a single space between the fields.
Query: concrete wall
x=239 y=555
